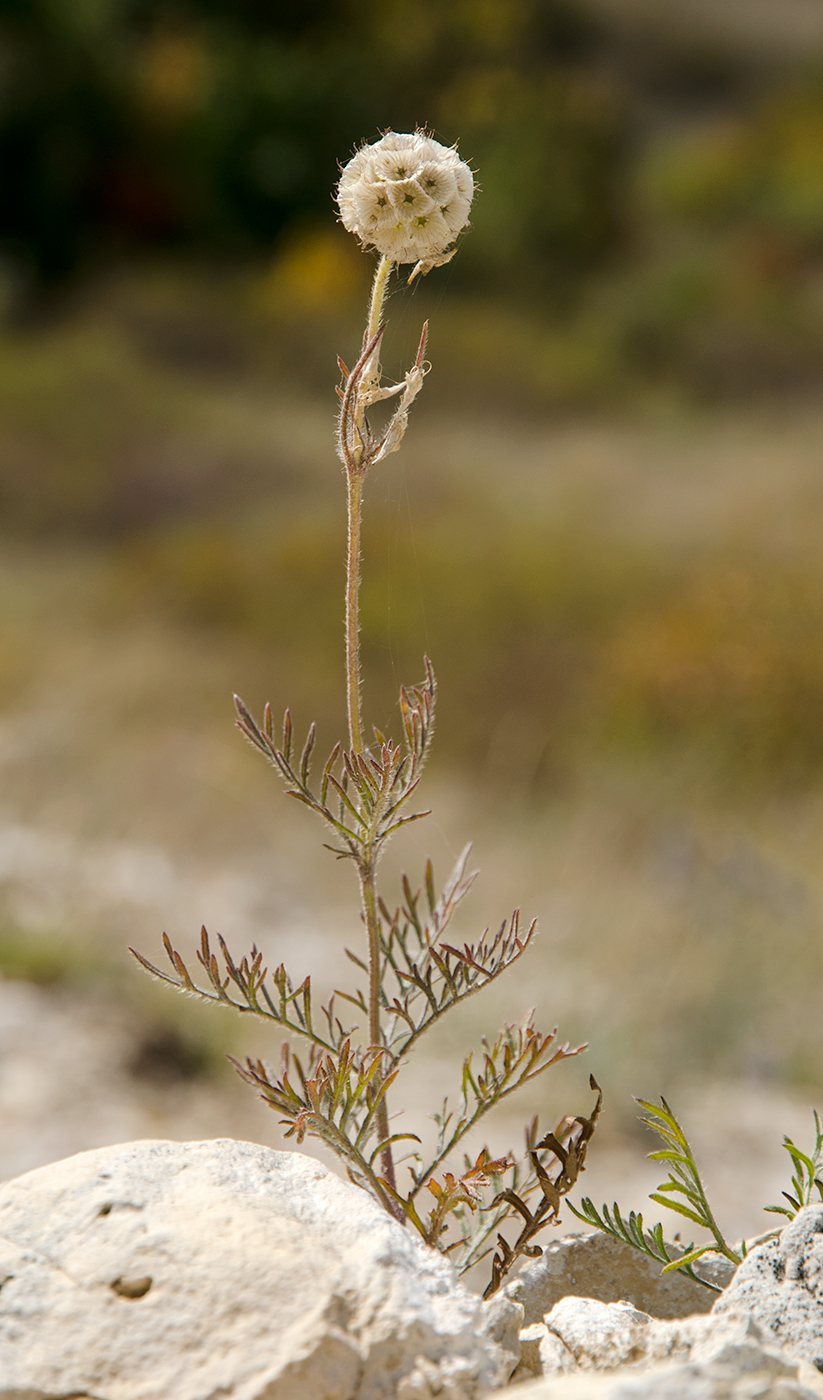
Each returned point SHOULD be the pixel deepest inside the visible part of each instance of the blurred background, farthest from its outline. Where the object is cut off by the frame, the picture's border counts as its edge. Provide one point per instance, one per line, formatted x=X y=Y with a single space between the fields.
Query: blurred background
x=605 y=528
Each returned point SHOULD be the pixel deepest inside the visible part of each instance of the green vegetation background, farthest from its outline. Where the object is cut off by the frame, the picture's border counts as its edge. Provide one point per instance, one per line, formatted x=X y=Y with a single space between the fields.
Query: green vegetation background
x=649 y=235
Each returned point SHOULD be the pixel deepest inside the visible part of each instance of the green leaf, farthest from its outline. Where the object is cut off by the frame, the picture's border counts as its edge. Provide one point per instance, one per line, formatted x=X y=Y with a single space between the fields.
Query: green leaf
x=799 y=1156
x=405 y=1205
x=689 y=1258
x=678 y=1208
x=430 y=894
x=389 y=1141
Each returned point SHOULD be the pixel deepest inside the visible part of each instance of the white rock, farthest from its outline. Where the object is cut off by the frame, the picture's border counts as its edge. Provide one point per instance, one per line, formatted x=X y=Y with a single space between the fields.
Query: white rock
x=532 y=1363
x=188 y=1271
x=781 y=1284
x=553 y=1356
x=583 y=1335
x=718 y=1358
x=597 y=1266
x=735 y=1341
x=599 y=1335
x=686 y=1382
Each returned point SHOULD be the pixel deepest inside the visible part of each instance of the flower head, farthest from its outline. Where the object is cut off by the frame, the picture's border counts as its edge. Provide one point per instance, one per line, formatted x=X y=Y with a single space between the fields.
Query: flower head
x=408 y=197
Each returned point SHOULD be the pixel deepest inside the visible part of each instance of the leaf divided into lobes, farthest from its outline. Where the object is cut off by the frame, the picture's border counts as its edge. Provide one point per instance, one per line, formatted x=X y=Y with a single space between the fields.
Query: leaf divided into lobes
x=337 y=1092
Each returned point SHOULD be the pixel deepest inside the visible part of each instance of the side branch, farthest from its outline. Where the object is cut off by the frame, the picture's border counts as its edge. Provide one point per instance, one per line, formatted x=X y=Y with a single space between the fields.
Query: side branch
x=572 y=1161
x=244 y=988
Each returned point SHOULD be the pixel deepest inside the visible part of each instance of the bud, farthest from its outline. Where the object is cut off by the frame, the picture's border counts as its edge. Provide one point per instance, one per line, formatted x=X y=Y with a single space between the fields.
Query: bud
x=408 y=197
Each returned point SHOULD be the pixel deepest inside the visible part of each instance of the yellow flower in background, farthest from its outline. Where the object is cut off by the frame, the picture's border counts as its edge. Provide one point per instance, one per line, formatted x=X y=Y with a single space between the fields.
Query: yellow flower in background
x=316 y=270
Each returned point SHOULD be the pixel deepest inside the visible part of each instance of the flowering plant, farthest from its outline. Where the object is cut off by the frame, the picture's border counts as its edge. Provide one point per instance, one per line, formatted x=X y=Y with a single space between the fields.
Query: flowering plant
x=408 y=197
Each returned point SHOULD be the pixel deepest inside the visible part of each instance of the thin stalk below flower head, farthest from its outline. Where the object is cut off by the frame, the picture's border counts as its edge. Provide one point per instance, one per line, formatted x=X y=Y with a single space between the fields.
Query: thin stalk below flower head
x=354 y=485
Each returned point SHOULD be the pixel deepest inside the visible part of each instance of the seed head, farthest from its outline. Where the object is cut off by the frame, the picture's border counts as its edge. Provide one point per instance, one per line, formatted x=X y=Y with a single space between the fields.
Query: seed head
x=408 y=197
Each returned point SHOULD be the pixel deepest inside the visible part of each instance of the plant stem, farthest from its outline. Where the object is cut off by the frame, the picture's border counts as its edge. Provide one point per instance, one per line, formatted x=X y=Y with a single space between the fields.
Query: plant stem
x=366 y=864
x=722 y=1246
x=355 y=505
x=378 y=293
x=368 y=895
x=354 y=480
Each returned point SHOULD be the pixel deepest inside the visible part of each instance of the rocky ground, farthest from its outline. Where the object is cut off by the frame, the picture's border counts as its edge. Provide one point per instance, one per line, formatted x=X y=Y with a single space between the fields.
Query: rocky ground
x=80 y=1071
x=167 y=1271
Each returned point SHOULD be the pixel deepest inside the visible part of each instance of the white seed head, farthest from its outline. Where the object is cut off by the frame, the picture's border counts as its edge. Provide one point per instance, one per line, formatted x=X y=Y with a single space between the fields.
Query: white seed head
x=407 y=196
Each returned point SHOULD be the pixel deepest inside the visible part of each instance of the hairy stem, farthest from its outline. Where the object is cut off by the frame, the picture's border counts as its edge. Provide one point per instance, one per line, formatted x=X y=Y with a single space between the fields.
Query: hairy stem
x=354 y=480
x=378 y=293
x=355 y=505
x=340 y=1144
x=368 y=895
x=366 y=865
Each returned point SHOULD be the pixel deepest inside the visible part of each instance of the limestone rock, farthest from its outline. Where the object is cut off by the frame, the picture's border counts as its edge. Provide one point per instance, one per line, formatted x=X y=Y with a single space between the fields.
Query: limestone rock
x=584 y=1334
x=533 y=1361
x=734 y=1340
x=187 y=1271
x=781 y=1284
x=599 y=1336
x=716 y=1358
x=597 y=1266
x=686 y=1382
x=580 y=1334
